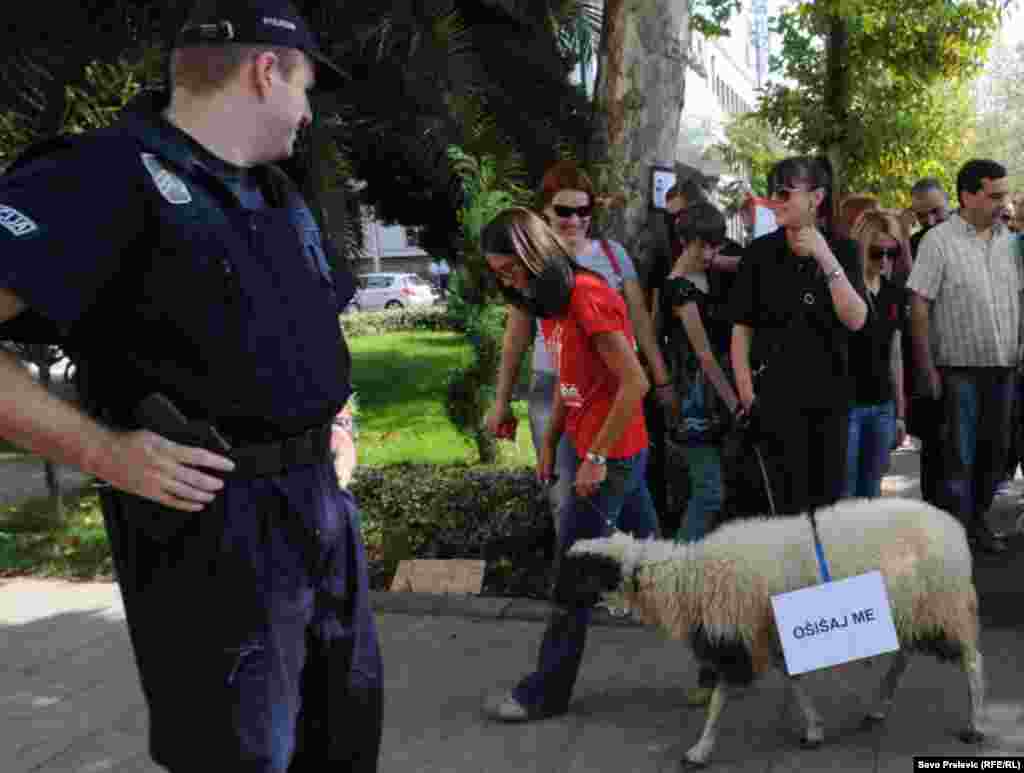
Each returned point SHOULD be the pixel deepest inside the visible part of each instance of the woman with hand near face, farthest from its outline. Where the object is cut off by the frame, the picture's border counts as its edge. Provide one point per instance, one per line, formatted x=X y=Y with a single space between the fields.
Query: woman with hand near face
x=798 y=297
x=567 y=204
x=597 y=409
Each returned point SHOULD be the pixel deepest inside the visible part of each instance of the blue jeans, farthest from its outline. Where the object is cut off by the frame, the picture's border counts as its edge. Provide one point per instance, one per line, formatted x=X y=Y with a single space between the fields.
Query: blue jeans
x=547 y=690
x=975 y=438
x=872 y=431
x=704 y=463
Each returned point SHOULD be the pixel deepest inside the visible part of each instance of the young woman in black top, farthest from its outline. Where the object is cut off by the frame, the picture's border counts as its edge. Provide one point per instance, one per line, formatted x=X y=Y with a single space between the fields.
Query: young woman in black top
x=877 y=416
x=798 y=296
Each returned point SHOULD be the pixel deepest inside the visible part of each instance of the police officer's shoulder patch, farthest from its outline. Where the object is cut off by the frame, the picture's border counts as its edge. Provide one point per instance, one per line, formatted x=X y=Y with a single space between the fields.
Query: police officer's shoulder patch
x=18 y=223
x=171 y=187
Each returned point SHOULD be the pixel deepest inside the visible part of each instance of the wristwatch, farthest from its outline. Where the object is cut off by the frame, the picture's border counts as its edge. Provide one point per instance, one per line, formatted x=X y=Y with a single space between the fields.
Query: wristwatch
x=596 y=458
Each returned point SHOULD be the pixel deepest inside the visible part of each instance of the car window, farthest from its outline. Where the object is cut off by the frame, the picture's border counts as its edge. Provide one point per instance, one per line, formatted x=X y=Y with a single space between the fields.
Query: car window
x=378 y=282
x=417 y=281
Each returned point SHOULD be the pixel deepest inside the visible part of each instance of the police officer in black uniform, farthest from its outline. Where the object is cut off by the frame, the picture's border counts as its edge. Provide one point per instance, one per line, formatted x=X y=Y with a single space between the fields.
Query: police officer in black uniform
x=188 y=280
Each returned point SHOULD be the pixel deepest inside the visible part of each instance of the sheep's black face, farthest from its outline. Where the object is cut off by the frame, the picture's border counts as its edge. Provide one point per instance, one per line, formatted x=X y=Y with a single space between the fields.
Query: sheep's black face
x=583 y=578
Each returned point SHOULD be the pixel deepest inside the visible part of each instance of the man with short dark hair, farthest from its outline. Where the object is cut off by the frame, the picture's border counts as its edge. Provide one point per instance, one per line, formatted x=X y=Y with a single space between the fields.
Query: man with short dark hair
x=966 y=315
x=188 y=280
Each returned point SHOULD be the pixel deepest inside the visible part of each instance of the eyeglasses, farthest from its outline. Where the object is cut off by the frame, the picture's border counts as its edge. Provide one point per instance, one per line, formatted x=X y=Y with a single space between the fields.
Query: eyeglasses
x=881 y=253
x=785 y=194
x=581 y=212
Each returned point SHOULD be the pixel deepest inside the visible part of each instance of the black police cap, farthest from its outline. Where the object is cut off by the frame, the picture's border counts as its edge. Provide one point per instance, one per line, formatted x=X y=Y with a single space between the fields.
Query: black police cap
x=257 y=22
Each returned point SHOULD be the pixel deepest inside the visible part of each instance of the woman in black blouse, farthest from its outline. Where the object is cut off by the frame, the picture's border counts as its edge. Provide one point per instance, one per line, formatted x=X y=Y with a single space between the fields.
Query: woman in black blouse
x=797 y=297
x=879 y=407
x=697 y=354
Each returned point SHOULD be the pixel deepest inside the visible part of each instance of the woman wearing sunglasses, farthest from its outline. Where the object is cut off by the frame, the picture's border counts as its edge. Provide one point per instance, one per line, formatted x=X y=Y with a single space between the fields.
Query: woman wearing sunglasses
x=597 y=407
x=567 y=204
x=801 y=294
x=877 y=416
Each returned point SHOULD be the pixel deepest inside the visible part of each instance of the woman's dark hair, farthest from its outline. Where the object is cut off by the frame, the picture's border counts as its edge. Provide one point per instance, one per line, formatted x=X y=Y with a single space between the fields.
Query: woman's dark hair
x=812 y=172
x=703 y=221
x=523 y=233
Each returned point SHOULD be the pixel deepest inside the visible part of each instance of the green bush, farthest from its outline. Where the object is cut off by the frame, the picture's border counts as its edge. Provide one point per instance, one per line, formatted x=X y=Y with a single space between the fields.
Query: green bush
x=423 y=511
x=361 y=323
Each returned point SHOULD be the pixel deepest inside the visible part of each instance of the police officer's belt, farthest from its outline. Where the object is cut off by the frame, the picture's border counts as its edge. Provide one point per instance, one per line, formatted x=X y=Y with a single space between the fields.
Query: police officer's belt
x=311 y=447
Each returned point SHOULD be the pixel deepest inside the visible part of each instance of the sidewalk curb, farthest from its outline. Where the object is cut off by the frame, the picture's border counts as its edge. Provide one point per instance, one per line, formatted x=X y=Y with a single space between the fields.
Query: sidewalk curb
x=478 y=607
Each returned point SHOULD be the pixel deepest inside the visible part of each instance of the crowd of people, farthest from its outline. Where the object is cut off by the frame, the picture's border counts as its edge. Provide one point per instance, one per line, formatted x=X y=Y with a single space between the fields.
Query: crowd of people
x=785 y=370
x=224 y=455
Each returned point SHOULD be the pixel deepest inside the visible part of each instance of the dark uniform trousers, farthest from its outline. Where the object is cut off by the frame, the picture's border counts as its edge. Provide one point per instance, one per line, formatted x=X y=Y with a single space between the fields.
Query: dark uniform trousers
x=252 y=627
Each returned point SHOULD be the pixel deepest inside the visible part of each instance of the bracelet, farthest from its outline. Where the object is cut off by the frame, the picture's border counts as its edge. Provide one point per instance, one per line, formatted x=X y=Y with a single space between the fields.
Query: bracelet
x=662 y=386
x=347 y=423
x=833 y=275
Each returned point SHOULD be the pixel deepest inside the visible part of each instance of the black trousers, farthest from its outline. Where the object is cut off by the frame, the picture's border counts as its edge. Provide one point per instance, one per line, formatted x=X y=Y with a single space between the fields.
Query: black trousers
x=804 y=453
x=657 y=464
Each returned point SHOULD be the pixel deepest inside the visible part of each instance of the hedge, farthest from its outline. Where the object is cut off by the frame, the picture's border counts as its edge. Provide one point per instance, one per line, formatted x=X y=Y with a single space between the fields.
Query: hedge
x=427 y=511
x=432 y=318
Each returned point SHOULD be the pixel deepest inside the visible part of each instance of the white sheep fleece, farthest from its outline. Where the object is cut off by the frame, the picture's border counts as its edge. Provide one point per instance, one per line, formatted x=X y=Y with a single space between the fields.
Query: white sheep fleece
x=920 y=550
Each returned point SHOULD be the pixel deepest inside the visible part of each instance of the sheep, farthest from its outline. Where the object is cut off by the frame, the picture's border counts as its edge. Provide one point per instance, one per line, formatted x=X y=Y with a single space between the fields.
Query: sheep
x=716 y=593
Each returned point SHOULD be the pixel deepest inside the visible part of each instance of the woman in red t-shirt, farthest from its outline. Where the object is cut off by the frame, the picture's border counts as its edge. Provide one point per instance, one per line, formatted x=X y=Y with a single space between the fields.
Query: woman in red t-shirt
x=598 y=404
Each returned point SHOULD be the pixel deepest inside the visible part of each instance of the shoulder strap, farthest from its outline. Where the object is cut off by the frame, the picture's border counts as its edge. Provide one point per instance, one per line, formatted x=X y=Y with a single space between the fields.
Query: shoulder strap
x=611 y=257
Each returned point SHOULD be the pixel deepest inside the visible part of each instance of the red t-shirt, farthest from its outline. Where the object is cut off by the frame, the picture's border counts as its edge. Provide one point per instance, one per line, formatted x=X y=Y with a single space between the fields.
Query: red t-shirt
x=588 y=388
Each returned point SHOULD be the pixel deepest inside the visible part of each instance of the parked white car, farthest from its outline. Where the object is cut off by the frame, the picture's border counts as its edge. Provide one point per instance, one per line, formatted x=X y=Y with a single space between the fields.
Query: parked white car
x=393 y=291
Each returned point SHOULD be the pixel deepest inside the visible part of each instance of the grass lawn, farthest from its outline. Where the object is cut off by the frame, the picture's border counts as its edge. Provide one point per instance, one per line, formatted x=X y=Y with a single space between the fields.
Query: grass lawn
x=400 y=380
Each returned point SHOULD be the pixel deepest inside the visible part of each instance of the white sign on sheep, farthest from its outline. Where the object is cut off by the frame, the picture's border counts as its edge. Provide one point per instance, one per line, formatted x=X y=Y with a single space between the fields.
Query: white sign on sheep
x=837 y=622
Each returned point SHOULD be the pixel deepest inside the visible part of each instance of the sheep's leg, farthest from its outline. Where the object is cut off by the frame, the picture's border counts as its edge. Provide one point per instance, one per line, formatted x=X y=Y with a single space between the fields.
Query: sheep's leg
x=970 y=661
x=887 y=689
x=700 y=753
x=814 y=734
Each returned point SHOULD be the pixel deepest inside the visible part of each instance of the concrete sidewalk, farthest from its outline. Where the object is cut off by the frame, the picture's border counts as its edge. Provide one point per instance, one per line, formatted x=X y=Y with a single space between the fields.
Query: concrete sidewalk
x=70 y=700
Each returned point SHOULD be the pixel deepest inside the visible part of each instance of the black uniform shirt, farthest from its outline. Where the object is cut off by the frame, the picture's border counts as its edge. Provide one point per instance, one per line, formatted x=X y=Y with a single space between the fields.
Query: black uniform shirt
x=871 y=346
x=133 y=245
x=797 y=333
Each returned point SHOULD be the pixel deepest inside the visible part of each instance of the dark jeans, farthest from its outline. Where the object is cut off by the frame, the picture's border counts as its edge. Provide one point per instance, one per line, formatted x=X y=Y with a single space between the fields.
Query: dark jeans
x=805 y=455
x=975 y=438
x=252 y=627
x=547 y=690
x=871 y=434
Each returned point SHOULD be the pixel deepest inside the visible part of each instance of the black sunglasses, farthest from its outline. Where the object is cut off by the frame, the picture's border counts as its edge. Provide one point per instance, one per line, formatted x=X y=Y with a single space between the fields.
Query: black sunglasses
x=582 y=212
x=881 y=253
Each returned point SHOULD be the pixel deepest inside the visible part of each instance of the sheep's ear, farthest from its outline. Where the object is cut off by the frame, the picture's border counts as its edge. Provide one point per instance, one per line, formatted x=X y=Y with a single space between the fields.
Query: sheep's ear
x=583 y=578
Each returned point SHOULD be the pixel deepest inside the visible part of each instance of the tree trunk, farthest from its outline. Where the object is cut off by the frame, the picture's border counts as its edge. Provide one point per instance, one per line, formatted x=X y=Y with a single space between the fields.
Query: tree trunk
x=837 y=101
x=643 y=84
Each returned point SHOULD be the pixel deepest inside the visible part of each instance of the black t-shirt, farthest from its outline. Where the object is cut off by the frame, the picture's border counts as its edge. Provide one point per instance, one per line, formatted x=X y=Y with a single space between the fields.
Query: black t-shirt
x=797 y=334
x=871 y=346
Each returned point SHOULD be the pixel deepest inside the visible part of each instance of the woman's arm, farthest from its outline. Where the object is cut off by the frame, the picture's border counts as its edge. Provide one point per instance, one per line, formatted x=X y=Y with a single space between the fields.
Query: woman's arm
x=896 y=370
x=739 y=353
x=849 y=306
x=698 y=337
x=618 y=356
x=644 y=329
x=552 y=437
x=518 y=330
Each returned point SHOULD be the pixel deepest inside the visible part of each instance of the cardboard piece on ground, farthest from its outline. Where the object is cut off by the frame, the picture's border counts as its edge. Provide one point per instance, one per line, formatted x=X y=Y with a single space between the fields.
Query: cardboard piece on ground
x=439 y=576
x=836 y=622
